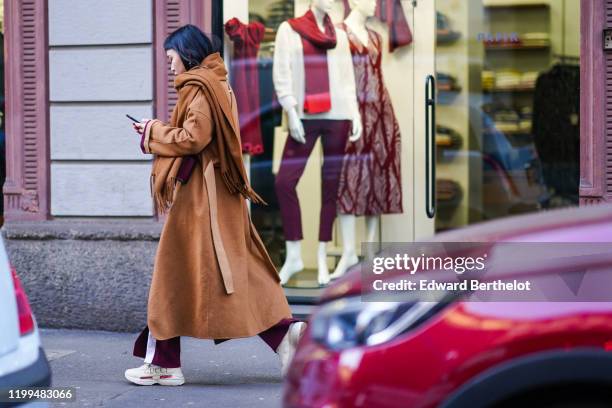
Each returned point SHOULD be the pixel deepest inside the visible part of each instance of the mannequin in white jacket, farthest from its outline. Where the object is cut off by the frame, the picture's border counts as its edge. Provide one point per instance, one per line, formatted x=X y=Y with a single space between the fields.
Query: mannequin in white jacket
x=289 y=83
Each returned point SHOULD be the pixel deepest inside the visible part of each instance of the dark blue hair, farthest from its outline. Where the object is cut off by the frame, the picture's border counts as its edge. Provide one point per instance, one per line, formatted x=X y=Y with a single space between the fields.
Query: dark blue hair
x=191 y=44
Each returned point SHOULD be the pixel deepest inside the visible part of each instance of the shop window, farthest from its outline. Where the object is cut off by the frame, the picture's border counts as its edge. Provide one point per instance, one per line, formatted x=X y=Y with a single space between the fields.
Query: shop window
x=507 y=134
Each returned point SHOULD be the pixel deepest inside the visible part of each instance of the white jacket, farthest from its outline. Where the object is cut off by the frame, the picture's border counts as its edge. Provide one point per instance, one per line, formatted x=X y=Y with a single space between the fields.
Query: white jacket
x=288 y=75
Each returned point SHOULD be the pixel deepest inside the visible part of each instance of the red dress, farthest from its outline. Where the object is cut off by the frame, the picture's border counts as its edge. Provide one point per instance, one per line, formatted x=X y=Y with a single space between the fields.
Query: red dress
x=370 y=183
x=245 y=81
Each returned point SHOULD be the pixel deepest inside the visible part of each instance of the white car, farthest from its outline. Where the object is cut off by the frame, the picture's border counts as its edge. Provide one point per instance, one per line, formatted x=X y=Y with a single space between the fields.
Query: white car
x=23 y=362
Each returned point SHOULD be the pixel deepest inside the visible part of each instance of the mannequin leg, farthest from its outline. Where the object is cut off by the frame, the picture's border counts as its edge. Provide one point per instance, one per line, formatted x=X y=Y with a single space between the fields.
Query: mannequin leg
x=349 y=254
x=335 y=135
x=372 y=222
x=293 y=262
x=323 y=273
x=293 y=163
x=372 y=228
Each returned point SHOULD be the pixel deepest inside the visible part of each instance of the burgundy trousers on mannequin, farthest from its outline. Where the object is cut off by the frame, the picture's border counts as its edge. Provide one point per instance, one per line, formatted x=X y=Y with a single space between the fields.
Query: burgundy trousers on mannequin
x=168 y=352
x=334 y=135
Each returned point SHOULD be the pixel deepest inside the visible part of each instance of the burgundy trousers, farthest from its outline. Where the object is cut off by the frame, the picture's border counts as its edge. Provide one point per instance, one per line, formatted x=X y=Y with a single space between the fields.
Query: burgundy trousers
x=167 y=353
x=334 y=135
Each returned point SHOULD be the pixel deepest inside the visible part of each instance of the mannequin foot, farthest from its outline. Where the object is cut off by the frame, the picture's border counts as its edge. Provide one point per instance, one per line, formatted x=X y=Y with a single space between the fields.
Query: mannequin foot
x=372 y=228
x=323 y=274
x=290 y=268
x=346 y=261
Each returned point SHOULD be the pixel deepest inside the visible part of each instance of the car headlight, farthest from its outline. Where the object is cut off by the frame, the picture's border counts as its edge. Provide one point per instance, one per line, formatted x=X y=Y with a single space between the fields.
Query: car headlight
x=349 y=322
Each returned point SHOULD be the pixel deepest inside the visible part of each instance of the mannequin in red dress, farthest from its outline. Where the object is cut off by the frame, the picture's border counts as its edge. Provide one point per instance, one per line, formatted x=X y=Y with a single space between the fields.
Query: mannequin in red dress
x=370 y=184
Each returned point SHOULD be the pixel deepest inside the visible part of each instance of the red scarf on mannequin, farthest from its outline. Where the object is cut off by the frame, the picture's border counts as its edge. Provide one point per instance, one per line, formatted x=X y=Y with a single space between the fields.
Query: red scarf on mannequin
x=315 y=44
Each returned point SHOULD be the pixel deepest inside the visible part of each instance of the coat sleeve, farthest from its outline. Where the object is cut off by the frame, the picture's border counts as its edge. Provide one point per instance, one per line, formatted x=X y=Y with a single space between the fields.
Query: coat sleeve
x=191 y=138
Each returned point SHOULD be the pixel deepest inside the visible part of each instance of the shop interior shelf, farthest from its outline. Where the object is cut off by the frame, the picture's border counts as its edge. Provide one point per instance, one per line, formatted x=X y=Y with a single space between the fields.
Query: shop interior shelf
x=447 y=39
x=508 y=133
x=516 y=5
x=516 y=47
x=449 y=89
x=508 y=90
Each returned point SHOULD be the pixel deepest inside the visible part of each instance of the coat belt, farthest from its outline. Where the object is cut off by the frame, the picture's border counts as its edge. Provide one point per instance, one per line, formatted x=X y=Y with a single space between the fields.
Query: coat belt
x=224 y=266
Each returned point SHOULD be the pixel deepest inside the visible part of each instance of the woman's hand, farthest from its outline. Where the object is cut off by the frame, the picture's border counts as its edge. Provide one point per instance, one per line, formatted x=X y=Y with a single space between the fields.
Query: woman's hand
x=140 y=126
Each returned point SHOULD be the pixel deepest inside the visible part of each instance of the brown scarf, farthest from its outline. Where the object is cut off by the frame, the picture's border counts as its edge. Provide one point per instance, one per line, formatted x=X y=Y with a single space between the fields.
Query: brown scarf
x=206 y=78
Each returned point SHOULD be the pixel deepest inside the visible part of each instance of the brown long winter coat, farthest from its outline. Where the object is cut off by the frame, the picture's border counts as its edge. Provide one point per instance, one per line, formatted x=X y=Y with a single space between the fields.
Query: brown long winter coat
x=213 y=278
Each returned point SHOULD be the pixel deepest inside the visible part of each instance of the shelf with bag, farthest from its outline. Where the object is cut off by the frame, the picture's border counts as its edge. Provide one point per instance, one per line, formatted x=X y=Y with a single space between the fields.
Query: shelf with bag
x=447 y=83
x=445 y=35
x=449 y=143
x=449 y=197
x=448 y=138
x=448 y=88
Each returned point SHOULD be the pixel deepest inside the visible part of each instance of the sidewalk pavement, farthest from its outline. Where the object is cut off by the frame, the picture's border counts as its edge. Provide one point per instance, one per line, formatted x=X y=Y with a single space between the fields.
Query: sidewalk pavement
x=234 y=374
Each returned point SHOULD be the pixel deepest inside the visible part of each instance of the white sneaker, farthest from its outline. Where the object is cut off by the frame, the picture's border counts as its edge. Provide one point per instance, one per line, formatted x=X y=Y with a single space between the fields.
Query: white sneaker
x=149 y=374
x=286 y=349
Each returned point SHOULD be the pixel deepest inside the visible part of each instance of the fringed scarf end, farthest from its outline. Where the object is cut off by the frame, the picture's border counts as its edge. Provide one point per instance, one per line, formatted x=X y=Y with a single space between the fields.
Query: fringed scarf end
x=254 y=197
x=243 y=189
x=163 y=200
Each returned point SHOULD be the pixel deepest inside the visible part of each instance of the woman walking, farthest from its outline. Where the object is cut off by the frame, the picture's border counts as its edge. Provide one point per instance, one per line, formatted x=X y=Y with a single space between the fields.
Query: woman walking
x=213 y=278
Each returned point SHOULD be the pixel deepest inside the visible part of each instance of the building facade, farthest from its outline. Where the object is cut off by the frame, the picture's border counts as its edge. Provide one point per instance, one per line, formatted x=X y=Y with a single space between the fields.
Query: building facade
x=76 y=65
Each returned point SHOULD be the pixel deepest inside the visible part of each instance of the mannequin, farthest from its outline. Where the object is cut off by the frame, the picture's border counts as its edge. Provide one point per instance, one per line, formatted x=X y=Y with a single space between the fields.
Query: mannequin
x=365 y=195
x=314 y=81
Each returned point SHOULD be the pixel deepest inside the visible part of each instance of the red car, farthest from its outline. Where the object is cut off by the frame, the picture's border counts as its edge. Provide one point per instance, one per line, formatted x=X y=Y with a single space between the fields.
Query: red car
x=459 y=353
